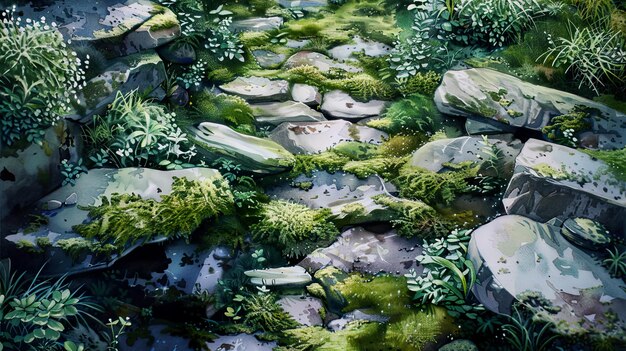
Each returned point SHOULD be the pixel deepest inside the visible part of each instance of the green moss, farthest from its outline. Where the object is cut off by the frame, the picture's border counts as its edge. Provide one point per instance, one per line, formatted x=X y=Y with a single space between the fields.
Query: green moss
x=576 y=121
x=162 y=22
x=35 y=223
x=354 y=209
x=303 y=185
x=401 y=145
x=25 y=245
x=263 y=313
x=356 y=336
x=316 y=290
x=384 y=295
x=43 y=242
x=220 y=108
x=615 y=160
x=388 y=167
x=415 y=218
x=546 y=170
x=433 y=188
x=326 y=161
x=416 y=113
x=424 y=83
x=75 y=247
x=612 y=102
x=364 y=87
x=355 y=150
x=514 y=113
x=295 y=228
x=413 y=331
x=477 y=107
x=127 y=218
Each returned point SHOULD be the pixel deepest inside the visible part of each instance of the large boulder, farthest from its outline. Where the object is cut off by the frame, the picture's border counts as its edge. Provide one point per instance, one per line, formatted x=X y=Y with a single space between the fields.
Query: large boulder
x=275 y=113
x=338 y=104
x=314 y=137
x=143 y=72
x=61 y=210
x=485 y=93
x=28 y=174
x=552 y=180
x=258 y=89
x=518 y=259
x=320 y=61
x=251 y=153
x=116 y=27
x=306 y=94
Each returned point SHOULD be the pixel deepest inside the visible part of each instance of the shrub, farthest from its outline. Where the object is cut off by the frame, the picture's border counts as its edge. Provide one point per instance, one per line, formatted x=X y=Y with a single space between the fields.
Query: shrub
x=263 y=313
x=417 y=113
x=39 y=76
x=297 y=229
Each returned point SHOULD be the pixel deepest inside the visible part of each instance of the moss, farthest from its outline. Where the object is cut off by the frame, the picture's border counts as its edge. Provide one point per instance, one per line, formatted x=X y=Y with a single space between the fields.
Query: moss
x=218 y=108
x=162 y=22
x=316 y=290
x=356 y=336
x=354 y=209
x=388 y=167
x=514 y=113
x=303 y=185
x=614 y=159
x=401 y=145
x=546 y=170
x=26 y=246
x=43 y=242
x=263 y=313
x=35 y=223
x=355 y=150
x=364 y=87
x=127 y=218
x=612 y=102
x=94 y=92
x=477 y=107
x=432 y=188
x=416 y=113
x=326 y=161
x=424 y=83
x=75 y=247
x=576 y=121
x=413 y=331
x=415 y=218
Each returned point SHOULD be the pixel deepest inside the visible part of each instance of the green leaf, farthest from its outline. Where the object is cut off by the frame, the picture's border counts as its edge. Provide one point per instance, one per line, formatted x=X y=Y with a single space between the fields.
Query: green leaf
x=52 y=334
x=55 y=325
x=451 y=266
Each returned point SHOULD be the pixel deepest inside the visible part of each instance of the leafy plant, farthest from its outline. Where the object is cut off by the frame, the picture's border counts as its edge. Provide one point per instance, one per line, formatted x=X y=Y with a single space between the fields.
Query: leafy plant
x=616 y=262
x=71 y=171
x=263 y=313
x=524 y=334
x=30 y=101
x=193 y=75
x=222 y=42
x=594 y=10
x=117 y=329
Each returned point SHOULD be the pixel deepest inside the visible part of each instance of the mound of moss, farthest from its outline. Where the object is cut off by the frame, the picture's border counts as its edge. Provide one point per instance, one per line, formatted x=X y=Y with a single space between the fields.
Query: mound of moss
x=416 y=113
x=433 y=188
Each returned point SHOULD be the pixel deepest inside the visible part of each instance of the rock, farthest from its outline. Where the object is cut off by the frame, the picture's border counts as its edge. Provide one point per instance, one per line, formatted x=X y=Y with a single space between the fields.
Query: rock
x=240 y=342
x=585 y=233
x=306 y=94
x=459 y=345
x=324 y=63
x=257 y=24
x=356 y=315
x=90 y=187
x=143 y=72
x=251 y=153
x=481 y=126
x=434 y=155
x=29 y=174
x=295 y=275
x=359 y=250
x=257 y=89
x=162 y=341
x=303 y=309
x=116 y=27
x=552 y=180
x=268 y=59
x=297 y=44
x=302 y=4
x=369 y=48
x=484 y=93
x=519 y=259
x=180 y=96
x=327 y=278
x=314 y=137
x=275 y=113
x=182 y=54
x=338 y=104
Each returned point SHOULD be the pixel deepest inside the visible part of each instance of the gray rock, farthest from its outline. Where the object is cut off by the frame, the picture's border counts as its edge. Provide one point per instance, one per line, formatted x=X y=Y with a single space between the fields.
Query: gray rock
x=517 y=258
x=359 y=250
x=302 y=4
x=268 y=59
x=322 y=62
x=160 y=29
x=314 y=137
x=29 y=174
x=459 y=345
x=257 y=89
x=295 y=275
x=356 y=315
x=303 y=309
x=297 y=44
x=257 y=24
x=484 y=93
x=435 y=154
x=240 y=342
x=481 y=126
x=275 y=113
x=369 y=48
x=585 y=233
x=253 y=154
x=338 y=104
x=90 y=187
x=143 y=72
x=306 y=94
x=551 y=180
x=182 y=54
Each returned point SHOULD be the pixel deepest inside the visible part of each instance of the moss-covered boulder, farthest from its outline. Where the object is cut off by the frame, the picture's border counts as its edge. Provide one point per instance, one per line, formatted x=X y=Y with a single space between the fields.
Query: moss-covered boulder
x=585 y=233
x=257 y=24
x=258 y=89
x=359 y=45
x=251 y=153
x=320 y=61
x=488 y=94
x=275 y=113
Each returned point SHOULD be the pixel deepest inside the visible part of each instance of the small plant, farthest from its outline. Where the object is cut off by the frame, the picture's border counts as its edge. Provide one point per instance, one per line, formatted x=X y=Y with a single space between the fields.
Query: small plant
x=616 y=262
x=193 y=75
x=524 y=334
x=117 y=329
x=424 y=83
x=565 y=129
x=222 y=42
x=263 y=313
x=71 y=171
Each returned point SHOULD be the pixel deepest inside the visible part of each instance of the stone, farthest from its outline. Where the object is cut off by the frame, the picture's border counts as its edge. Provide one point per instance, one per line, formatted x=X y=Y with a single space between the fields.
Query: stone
x=143 y=72
x=162 y=341
x=160 y=29
x=363 y=251
x=338 y=104
x=275 y=113
x=487 y=94
x=306 y=94
x=519 y=259
x=356 y=315
x=369 y=48
x=268 y=59
x=482 y=126
x=297 y=44
x=303 y=309
x=302 y=4
x=257 y=24
x=257 y=89
x=240 y=342
x=315 y=137
x=295 y=275
x=552 y=180
x=434 y=155
x=324 y=63
x=585 y=233
x=459 y=345
x=89 y=190
x=182 y=54
x=31 y=173
x=253 y=154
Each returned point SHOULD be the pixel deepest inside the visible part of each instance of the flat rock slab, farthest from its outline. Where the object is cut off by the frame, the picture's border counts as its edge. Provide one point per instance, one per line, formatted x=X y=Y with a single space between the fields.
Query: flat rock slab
x=359 y=250
x=253 y=154
x=435 y=154
x=485 y=93
x=369 y=48
x=303 y=309
x=315 y=137
x=275 y=113
x=143 y=72
x=268 y=59
x=516 y=256
x=551 y=180
x=257 y=24
x=322 y=62
x=302 y=4
x=481 y=126
x=88 y=191
x=258 y=89
x=306 y=94
x=338 y=104
x=240 y=342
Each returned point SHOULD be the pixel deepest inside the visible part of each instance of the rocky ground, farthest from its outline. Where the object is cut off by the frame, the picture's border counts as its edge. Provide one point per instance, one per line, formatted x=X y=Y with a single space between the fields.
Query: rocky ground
x=313 y=202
